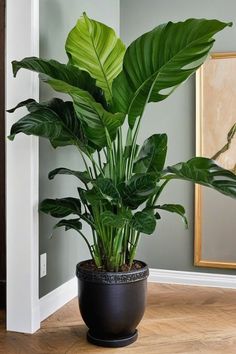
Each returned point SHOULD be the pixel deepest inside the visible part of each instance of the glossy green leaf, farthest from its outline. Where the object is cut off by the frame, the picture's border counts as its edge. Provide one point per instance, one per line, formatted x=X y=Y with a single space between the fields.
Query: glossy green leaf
x=160 y=60
x=205 y=172
x=55 y=120
x=144 y=221
x=107 y=189
x=115 y=220
x=152 y=155
x=94 y=47
x=94 y=117
x=174 y=208
x=82 y=176
x=56 y=73
x=137 y=190
x=61 y=207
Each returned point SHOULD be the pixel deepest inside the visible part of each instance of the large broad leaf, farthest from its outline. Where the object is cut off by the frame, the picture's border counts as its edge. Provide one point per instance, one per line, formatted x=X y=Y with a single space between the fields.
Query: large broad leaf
x=88 y=99
x=160 y=60
x=55 y=72
x=96 y=120
x=144 y=221
x=94 y=47
x=61 y=207
x=152 y=155
x=205 y=172
x=82 y=176
x=174 y=208
x=137 y=190
x=55 y=120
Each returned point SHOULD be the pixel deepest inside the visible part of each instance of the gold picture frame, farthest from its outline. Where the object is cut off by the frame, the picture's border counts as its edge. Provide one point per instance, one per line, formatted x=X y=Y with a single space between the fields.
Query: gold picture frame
x=201 y=116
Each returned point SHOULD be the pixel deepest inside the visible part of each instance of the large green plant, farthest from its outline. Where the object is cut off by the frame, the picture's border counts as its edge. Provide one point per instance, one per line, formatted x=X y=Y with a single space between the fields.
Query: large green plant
x=108 y=85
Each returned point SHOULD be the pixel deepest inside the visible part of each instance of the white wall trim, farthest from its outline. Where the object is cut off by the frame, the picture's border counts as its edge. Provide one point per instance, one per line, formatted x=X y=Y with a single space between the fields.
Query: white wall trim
x=57 y=298
x=22 y=174
x=192 y=278
x=53 y=301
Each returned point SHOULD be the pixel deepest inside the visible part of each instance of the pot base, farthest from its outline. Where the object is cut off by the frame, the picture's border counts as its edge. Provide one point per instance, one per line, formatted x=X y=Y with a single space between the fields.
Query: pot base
x=112 y=343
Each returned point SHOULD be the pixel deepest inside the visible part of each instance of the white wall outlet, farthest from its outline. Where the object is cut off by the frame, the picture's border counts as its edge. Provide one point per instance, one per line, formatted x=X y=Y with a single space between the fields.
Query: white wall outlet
x=43 y=265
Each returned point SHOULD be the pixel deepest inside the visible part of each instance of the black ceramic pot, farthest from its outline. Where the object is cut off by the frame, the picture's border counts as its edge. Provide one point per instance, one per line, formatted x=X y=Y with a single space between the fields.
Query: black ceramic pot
x=112 y=304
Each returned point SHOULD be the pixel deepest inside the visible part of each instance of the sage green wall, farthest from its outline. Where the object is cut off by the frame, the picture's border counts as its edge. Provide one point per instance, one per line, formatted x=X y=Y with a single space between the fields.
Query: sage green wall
x=63 y=250
x=171 y=247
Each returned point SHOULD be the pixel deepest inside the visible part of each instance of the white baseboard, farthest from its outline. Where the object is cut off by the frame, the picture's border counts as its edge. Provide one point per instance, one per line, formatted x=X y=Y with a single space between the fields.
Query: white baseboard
x=57 y=298
x=192 y=278
x=53 y=301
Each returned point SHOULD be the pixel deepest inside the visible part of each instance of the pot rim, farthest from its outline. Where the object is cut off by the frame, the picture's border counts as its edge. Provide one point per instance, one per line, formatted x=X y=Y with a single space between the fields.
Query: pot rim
x=96 y=276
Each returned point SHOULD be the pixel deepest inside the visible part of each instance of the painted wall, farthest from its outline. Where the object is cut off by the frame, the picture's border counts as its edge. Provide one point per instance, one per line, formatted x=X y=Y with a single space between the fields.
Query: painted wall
x=171 y=247
x=64 y=250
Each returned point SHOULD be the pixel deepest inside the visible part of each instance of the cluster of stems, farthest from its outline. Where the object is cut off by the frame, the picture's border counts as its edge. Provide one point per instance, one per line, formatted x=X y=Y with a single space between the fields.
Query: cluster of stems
x=112 y=246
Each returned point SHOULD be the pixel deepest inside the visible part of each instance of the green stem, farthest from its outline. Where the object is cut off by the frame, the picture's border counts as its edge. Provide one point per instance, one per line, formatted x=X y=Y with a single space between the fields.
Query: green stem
x=133 y=250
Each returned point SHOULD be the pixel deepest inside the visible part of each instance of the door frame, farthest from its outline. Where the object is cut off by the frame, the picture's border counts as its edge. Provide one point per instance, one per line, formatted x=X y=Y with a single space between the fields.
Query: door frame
x=22 y=162
x=2 y=159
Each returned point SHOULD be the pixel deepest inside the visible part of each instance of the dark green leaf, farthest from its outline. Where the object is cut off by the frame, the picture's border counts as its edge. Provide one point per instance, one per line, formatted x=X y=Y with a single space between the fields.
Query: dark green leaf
x=107 y=189
x=138 y=189
x=94 y=197
x=56 y=73
x=26 y=103
x=174 y=208
x=82 y=195
x=205 y=172
x=55 y=120
x=160 y=60
x=115 y=220
x=61 y=207
x=96 y=120
x=144 y=221
x=152 y=155
x=82 y=176
x=70 y=224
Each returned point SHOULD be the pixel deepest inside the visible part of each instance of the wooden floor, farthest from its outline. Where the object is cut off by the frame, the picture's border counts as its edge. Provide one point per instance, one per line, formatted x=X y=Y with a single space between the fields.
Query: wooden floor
x=178 y=319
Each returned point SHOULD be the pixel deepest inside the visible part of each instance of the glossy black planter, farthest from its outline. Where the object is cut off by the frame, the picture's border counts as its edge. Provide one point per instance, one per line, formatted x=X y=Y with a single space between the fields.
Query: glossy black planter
x=112 y=304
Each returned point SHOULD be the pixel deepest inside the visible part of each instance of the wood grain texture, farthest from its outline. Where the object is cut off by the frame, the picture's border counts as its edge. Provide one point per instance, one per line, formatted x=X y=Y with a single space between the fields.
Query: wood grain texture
x=2 y=159
x=178 y=319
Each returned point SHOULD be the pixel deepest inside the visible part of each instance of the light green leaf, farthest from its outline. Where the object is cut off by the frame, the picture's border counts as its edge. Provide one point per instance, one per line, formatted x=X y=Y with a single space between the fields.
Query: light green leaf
x=156 y=63
x=94 y=47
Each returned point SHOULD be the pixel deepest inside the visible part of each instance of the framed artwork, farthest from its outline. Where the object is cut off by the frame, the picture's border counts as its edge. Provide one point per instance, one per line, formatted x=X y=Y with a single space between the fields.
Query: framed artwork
x=215 y=214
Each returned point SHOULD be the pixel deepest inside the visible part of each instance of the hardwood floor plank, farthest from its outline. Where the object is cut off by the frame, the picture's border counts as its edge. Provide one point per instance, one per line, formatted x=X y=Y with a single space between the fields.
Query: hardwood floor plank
x=178 y=320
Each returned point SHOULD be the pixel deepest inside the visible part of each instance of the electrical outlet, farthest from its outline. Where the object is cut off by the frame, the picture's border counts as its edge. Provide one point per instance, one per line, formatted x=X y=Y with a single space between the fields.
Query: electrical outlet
x=43 y=265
